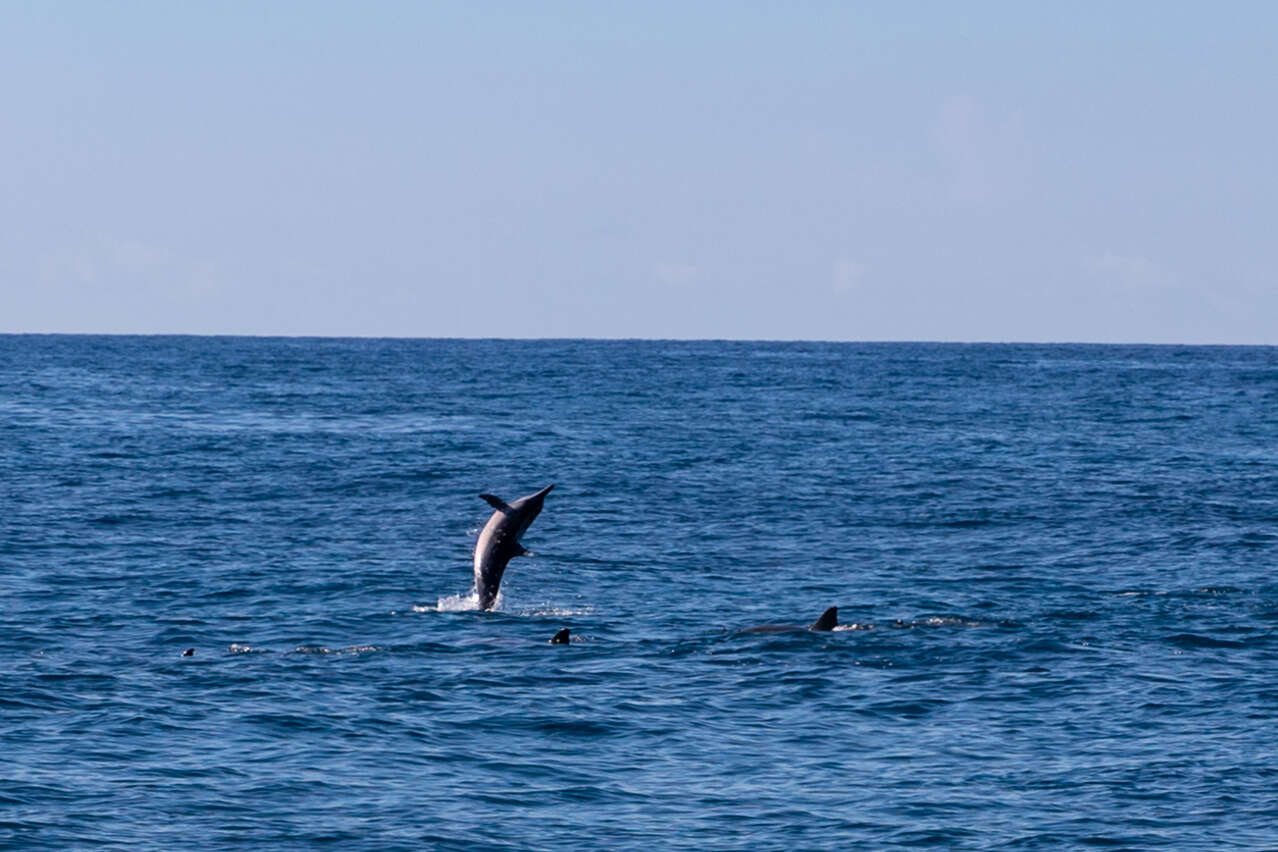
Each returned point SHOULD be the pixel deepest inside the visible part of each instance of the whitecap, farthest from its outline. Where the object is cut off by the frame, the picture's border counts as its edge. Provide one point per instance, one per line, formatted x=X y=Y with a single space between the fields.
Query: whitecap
x=456 y=603
x=320 y=649
x=548 y=610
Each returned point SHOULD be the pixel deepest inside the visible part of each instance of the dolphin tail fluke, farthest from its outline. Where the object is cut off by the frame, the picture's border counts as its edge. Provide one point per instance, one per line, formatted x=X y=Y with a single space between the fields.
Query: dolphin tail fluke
x=828 y=620
x=495 y=501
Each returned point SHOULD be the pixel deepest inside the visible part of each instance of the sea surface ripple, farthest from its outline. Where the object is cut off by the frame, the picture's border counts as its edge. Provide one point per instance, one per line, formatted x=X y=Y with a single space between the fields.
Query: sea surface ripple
x=1054 y=565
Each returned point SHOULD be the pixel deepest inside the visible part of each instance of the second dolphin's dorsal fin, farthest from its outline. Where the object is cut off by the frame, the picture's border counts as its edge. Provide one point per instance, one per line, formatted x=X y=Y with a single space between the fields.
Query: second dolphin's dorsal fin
x=828 y=620
x=563 y=637
x=496 y=502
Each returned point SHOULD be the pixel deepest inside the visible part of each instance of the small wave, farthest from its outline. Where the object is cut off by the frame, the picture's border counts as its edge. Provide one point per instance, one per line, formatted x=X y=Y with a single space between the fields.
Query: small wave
x=1194 y=640
x=908 y=709
x=938 y=621
x=237 y=648
x=949 y=621
x=587 y=728
x=1052 y=646
x=320 y=649
x=1074 y=615
x=558 y=611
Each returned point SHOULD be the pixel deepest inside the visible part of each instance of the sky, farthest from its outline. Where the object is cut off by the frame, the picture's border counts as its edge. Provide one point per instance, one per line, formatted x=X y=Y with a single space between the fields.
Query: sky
x=947 y=171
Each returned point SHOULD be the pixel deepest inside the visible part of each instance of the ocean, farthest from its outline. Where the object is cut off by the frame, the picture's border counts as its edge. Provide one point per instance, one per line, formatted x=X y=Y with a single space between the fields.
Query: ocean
x=1054 y=567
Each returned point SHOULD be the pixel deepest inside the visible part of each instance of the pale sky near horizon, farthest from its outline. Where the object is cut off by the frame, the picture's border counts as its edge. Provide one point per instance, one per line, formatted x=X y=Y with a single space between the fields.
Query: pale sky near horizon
x=812 y=170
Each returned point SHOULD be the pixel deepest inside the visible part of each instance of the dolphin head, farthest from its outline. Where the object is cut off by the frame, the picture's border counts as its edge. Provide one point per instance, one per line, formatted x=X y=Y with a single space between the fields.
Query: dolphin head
x=535 y=499
x=528 y=508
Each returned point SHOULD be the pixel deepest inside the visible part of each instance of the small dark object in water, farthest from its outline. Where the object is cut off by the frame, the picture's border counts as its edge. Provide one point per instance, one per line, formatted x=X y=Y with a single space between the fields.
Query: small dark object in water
x=189 y=652
x=561 y=638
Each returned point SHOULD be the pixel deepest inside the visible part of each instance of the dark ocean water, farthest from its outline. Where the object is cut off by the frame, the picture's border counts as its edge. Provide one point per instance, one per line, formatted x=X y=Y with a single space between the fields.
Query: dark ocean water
x=1061 y=561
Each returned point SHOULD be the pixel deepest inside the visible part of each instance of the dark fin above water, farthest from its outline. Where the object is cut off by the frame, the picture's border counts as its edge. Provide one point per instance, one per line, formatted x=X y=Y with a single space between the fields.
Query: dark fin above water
x=828 y=620
x=561 y=638
x=496 y=502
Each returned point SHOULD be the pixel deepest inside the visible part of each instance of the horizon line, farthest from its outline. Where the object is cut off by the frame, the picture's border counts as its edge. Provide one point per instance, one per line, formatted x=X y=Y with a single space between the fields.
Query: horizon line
x=534 y=339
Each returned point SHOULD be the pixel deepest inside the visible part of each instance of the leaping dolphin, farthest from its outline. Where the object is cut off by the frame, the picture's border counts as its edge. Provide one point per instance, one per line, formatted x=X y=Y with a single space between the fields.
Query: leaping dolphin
x=499 y=541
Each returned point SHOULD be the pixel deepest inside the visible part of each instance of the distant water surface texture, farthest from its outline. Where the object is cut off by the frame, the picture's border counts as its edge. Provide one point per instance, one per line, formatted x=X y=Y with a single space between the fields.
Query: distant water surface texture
x=1054 y=567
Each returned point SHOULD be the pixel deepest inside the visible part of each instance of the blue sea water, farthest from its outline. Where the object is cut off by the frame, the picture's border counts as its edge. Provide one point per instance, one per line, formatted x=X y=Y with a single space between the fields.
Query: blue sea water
x=1055 y=566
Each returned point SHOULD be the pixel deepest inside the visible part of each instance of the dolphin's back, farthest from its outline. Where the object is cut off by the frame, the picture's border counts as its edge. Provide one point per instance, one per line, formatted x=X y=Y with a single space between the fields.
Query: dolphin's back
x=828 y=620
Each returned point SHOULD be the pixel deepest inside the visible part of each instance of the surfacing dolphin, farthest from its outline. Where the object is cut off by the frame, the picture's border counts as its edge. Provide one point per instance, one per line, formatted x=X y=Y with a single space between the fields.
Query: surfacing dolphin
x=499 y=541
x=828 y=621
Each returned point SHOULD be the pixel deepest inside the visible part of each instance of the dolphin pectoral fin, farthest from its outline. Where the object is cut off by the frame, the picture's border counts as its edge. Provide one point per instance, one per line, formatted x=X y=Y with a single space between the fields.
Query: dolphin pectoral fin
x=521 y=551
x=495 y=501
x=828 y=620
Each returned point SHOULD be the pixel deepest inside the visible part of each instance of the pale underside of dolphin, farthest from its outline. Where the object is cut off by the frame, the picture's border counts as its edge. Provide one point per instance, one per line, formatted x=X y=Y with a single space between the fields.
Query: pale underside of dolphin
x=499 y=541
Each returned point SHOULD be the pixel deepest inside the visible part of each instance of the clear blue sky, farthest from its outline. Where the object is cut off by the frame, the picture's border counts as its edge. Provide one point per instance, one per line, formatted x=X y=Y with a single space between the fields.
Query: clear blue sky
x=809 y=170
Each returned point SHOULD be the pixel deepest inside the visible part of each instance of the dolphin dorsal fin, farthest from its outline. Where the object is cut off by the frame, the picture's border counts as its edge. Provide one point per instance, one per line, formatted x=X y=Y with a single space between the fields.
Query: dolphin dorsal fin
x=562 y=637
x=496 y=502
x=828 y=620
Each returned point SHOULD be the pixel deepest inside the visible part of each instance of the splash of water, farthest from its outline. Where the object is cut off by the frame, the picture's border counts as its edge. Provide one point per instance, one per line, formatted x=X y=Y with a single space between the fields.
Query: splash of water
x=457 y=603
x=548 y=610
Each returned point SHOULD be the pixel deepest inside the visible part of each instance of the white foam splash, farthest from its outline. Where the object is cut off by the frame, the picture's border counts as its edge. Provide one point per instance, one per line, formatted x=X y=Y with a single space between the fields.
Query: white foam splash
x=456 y=603
x=557 y=611
x=320 y=649
x=948 y=621
x=311 y=649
